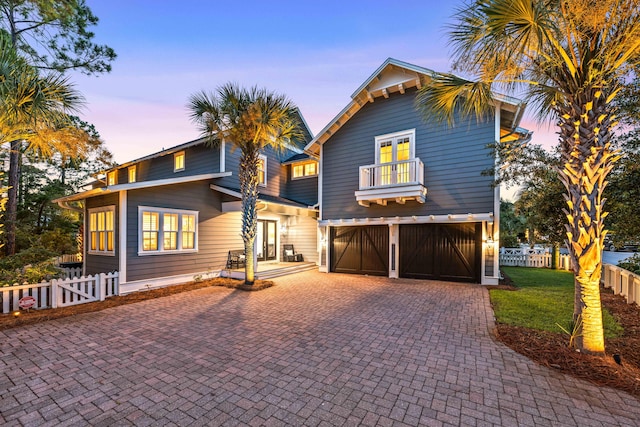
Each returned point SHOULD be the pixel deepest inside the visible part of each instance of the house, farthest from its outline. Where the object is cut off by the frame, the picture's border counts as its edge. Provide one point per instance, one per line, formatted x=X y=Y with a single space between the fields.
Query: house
x=174 y=215
x=380 y=190
x=401 y=196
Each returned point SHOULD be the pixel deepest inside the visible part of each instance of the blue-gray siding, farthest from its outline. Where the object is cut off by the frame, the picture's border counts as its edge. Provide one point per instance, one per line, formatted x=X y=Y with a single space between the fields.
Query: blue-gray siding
x=217 y=232
x=454 y=159
x=102 y=263
x=304 y=190
x=199 y=159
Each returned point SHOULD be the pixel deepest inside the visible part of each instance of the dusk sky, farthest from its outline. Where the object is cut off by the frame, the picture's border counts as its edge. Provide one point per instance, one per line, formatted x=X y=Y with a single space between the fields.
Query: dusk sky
x=315 y=52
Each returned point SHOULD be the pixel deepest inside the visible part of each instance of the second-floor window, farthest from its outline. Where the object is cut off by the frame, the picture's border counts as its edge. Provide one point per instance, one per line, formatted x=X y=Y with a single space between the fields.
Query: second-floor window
x=301 y=170
x=112 y=178
x=178 y=161
x=132 y=174
x=396 y=149
x=262 y=171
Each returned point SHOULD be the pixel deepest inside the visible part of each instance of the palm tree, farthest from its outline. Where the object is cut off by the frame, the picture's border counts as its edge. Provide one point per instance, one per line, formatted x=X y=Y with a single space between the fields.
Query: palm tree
x=569 y=58
x=33 y=117
x=250 y=120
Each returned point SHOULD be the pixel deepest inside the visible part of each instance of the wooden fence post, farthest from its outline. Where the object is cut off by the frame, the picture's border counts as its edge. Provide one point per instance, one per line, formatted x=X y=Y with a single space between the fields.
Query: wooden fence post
x=102 y=283
x=54 y=293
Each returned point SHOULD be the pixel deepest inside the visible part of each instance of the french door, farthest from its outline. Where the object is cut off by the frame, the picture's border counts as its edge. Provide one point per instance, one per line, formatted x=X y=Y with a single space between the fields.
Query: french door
x=267 y=240
x=392 y=153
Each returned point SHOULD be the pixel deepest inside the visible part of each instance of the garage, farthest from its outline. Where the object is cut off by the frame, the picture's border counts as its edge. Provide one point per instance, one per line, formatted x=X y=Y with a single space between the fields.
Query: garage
x=449 y=252
x=360 y=250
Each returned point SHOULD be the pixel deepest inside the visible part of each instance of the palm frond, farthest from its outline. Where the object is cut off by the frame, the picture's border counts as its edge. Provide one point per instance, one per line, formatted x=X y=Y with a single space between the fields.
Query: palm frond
x=447 y=96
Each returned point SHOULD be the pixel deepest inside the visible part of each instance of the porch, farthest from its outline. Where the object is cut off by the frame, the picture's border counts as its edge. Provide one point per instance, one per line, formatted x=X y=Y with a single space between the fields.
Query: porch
x=269 y=270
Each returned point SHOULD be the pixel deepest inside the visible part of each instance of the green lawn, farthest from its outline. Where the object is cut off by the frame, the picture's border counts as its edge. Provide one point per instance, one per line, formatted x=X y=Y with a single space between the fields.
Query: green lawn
x=543 y=301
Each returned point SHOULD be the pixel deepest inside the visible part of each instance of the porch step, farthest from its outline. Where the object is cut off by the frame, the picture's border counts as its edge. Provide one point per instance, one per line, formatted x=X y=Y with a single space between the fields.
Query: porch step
x=277 y=272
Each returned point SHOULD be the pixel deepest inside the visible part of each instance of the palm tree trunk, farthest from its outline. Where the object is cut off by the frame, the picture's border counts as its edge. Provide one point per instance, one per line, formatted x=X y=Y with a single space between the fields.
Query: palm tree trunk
x=588 y=159
x=248 y=175
x=12 y=197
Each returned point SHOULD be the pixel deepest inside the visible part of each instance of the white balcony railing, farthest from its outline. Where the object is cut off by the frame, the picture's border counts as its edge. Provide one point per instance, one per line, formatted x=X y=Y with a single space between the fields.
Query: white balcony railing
x=393 y=174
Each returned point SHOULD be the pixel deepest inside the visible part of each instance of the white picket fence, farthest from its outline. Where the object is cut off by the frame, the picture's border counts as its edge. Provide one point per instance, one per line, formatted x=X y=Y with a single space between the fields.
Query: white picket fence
x=623 y=282
x=540 y=260
x=61 y=292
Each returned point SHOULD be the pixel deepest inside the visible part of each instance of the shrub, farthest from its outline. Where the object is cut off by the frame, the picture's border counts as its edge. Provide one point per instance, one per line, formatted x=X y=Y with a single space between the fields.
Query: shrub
x=631 y=264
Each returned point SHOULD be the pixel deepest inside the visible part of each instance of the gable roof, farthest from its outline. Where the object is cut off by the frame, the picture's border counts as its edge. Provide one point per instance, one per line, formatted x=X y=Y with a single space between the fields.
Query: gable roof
x=398 y=76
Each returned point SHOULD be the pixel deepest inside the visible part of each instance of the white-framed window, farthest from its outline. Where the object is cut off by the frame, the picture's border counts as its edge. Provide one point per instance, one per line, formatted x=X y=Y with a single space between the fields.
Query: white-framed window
x=395 y=148
x=132 y=174
x=112 y=178
x=163 y=230
x=262 y=170
x=303 y=170
x=102 y=230
x=178 y=161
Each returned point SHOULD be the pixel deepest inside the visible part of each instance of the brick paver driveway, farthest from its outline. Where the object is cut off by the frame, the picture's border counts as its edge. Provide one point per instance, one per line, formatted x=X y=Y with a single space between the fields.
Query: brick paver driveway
x=316 y=349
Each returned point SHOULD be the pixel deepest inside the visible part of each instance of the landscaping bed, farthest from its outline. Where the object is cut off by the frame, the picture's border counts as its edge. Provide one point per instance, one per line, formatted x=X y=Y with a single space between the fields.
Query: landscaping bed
x=36 y=316
x=552 y=349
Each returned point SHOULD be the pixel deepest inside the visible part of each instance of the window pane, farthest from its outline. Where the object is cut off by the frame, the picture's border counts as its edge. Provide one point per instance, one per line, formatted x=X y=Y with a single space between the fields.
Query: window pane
x=100 y=226
x=297 y=171
x=170 y=235
x=93 y=222
x=110 y=240
x=178 y=161
x=403 y=148
x=94 y=241
x=149 y=241
x=132 y=174
x=150 y=221
x=261 y=171
x=310 y=169
x=109 y=220
x=386 y=152
x=188 y=222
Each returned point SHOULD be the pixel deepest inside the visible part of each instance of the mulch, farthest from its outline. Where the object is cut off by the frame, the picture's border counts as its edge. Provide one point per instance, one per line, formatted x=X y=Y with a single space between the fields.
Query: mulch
x=35 y=316
x=552 y=349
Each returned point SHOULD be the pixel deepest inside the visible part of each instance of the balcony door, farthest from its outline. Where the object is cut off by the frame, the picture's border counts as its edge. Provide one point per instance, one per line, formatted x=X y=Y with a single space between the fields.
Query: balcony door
x=267 y=240
x=393 y=152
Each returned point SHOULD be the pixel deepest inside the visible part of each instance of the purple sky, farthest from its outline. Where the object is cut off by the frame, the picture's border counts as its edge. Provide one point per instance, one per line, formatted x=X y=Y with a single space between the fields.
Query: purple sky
x=315 y=52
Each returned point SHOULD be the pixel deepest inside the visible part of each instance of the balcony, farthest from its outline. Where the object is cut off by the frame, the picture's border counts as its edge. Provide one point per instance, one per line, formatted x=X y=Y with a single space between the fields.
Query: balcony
x=392 y=182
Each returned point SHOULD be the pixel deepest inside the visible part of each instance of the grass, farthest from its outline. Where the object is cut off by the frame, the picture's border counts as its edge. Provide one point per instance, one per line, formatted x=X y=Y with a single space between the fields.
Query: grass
x=543 y=301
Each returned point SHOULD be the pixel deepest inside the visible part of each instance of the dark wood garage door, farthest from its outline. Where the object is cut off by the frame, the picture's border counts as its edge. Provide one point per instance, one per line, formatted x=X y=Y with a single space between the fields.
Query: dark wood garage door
x=450 y=252
x=360 y=250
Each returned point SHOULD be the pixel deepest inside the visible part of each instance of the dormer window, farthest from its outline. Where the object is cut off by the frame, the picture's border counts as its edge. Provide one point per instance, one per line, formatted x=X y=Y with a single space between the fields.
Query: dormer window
x=303 y=170
x=112 y=178
x=132 y=174
x=178 y=161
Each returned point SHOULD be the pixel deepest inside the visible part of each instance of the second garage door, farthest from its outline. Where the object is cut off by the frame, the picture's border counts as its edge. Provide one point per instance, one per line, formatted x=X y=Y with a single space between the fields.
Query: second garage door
x=450 y=252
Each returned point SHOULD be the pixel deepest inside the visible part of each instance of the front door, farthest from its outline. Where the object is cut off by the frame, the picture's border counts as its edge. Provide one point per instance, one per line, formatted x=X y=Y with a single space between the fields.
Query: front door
x=267 y=240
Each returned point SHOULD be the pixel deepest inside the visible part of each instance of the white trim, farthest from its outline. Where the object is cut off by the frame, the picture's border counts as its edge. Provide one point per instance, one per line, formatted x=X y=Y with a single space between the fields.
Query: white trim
x=184 y=161
x=122 y=235
x=496 y=218
x=107 y=208
x=161 y=211
x=140 y=184
x=423 y=219
x=394 y=257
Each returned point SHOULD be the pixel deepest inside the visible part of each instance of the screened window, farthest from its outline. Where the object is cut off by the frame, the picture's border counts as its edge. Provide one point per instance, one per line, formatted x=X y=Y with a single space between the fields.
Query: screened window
x=302 y=170
x=178 y=161
x=102 y=230
x=167 y=230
